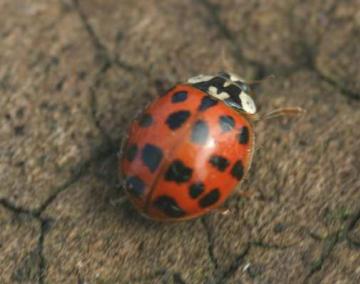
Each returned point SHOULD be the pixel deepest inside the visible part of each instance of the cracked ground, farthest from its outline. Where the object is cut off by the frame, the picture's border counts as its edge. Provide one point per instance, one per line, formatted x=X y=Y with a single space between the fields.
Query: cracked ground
x=74 y=73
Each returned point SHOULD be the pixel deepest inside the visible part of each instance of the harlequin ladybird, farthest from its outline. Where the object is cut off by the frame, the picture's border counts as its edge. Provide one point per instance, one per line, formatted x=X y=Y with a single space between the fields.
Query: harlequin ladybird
x=190 y=148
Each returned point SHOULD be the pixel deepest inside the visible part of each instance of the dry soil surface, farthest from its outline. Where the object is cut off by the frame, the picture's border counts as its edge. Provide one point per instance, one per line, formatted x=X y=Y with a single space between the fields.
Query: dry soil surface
x=74 y=73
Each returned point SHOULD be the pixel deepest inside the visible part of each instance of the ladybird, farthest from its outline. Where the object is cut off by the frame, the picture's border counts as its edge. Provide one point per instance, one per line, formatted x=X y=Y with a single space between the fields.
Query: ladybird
x=190 y=148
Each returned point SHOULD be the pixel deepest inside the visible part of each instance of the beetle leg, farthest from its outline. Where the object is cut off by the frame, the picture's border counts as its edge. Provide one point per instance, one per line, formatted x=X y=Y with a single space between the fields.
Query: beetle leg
x=286 y=111
x=223 y=211
x=118 y=201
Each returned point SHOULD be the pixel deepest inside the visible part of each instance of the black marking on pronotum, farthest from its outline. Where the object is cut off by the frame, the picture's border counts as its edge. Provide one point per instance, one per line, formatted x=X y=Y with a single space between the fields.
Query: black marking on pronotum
x=219 y=162
x=226 y=122
x=237 y=170
x=152 y=156
x=207 y=102
x=210 y=199
x=199 y=132
x=179 y=97
x=176 y=119
x=145 y=120
x=131 y=152
x=135 y=186
x=243 y=136
x=178 y=172
x=169 y=206
x=196 y=189
x=220 y=84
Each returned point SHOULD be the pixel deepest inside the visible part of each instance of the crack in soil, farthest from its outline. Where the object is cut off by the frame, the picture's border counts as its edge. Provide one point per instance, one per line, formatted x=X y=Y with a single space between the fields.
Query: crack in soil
x=223 y=275
x=306 y=56
x=16 y=209
x=261 y=69
x=210 y=240
x=102 y=54
x=239 y=260
x=352 y=223
x=337 y=85
x=328 y=246
x=103 y=151
x=106 y=61
x=94 y=106
x=83 y=167
x=100 y=153
x=234 y=266
x=236 y=49
x=81 y=171
x=44 y=228
x=330 y=242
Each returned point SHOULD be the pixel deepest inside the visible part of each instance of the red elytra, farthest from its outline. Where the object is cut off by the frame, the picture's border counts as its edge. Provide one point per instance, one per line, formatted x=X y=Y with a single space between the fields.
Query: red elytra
x=190 y=148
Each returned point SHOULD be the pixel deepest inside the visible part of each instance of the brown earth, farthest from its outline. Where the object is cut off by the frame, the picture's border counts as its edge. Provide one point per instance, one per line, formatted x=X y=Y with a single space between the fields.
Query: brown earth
x=74 y=73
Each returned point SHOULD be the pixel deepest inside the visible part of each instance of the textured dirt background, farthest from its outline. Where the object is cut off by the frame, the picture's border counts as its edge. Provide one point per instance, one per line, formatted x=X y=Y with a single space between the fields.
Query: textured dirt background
x=73 y=73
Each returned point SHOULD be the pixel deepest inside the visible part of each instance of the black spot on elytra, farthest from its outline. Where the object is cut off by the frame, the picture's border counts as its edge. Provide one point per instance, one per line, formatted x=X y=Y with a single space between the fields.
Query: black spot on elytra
x=169 y=206
x=219 y=162
x=177 y=119
x=145 y=120
x=196 y=189
x=209 y=199
x=152 y=156
x=206 y=103
x=131 y=152
x=135 y=186
x=237 y=170
x=226 y=122
x=178 y=172
x=243 y=136
x=179 y=97
x=199 y=132
x=218 y=82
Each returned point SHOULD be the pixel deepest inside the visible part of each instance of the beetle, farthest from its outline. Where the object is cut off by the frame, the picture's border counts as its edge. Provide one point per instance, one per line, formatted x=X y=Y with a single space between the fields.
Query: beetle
x=191 y=147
